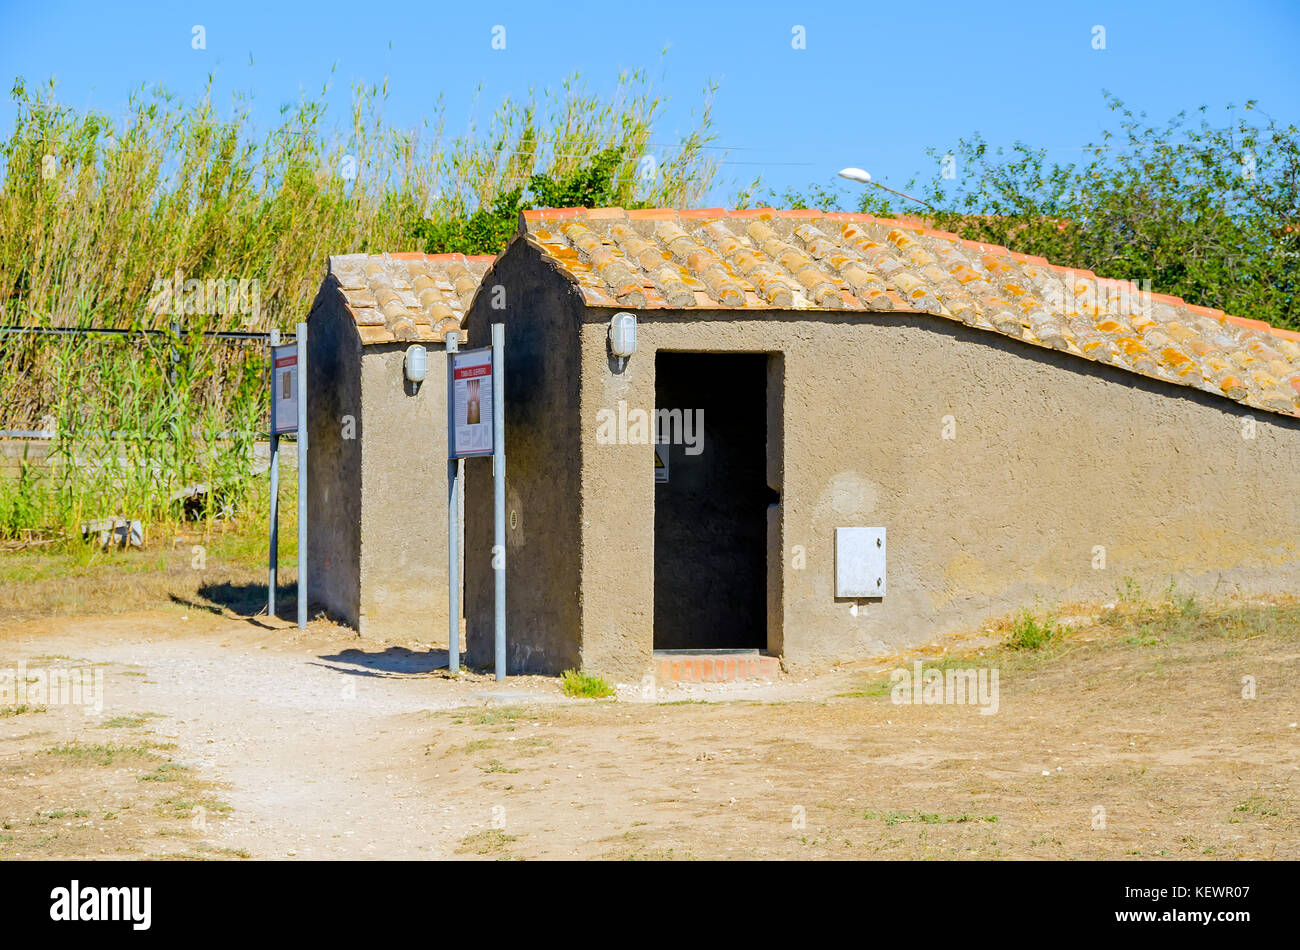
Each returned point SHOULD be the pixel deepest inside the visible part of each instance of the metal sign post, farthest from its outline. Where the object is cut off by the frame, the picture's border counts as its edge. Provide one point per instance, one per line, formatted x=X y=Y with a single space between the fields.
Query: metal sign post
x=288 y=414
x=302 y=475
x=499 y=492
x=274 y=554
x=453 y=517
x=476 y=427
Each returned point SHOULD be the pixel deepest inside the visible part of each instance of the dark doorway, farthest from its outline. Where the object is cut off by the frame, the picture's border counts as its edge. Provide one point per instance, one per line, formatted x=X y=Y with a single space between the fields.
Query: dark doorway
x=711 y=512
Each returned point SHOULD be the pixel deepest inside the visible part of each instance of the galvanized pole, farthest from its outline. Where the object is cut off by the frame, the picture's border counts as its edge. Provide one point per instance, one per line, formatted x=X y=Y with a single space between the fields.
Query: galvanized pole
x=302 y=475
x=453 y=517
x=275 y=491
x=499 y=490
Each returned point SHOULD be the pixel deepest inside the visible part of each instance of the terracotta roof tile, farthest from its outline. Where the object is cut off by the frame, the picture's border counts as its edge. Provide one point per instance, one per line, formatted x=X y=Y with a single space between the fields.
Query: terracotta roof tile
x=407 y=296
x=769 y=259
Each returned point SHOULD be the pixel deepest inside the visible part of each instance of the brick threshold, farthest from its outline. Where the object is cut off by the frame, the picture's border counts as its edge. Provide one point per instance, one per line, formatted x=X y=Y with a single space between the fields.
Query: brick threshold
x=714 y=666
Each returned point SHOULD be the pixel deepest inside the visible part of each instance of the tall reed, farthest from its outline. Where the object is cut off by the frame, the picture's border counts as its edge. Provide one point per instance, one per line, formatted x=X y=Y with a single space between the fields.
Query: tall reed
x=181 y=217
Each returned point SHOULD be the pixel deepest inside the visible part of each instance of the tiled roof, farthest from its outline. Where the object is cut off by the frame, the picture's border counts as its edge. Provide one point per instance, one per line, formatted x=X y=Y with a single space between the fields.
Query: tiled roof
x=806 y=260
x=401 y=297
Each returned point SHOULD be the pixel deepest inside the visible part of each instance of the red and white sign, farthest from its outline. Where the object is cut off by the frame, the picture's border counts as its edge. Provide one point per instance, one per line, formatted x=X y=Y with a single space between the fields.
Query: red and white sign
x=470 y=403
x=284 y=389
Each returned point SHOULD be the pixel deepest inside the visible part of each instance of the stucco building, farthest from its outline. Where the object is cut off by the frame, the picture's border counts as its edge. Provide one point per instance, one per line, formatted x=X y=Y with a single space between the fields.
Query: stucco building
x=377 y=459
x=1001 y=429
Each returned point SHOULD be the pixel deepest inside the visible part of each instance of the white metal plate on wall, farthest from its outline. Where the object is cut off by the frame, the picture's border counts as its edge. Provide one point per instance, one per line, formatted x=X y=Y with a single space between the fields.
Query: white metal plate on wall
x=859 y=562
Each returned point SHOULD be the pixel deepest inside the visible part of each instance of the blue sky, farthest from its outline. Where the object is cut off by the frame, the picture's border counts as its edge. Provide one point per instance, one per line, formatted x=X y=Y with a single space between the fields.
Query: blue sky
x=874 y=86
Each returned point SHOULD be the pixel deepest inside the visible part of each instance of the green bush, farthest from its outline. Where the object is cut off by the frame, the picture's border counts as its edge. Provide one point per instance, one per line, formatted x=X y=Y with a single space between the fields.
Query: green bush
x=1030 y=633
x=585 y=685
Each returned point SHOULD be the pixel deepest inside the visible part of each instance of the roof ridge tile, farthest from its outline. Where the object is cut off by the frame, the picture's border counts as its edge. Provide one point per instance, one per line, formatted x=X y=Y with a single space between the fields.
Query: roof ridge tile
x=407 y=295
x=652 y=214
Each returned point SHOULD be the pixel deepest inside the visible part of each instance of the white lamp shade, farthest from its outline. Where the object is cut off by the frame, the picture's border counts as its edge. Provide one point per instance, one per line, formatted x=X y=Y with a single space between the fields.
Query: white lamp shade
x=416 y=363
x=622 y=335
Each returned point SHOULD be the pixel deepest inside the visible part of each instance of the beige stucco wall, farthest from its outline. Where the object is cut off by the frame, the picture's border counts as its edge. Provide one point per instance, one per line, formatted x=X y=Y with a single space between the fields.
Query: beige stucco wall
x=403 y=558
x=377 y=502
x=1053 y=457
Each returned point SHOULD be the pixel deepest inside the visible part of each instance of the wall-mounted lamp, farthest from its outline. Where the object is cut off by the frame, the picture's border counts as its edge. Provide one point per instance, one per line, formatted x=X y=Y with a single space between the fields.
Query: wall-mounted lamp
x=622 y=336
x=416 y=363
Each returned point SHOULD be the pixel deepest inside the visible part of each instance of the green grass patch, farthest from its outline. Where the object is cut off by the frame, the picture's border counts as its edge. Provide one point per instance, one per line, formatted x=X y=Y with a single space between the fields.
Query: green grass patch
x=129 y=722
x=474 y=745
x=498 y=715
x=103 y=753
x=19 y=710
x=584 y=685
x=488 y=841
x=892 y=818
x=179 y=807
x=167 y=772
x=879 y=688
x=873 y=690
x=1029 y=633
x=1257 y=805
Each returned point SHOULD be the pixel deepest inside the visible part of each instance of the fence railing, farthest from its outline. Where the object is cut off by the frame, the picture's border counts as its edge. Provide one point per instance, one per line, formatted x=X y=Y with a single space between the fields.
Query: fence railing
x=174 y=332
x=147 y=423
x=145 y=331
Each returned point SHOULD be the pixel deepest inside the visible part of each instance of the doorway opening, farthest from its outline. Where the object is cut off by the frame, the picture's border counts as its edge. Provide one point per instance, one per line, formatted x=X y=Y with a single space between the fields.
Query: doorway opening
x=711 y=502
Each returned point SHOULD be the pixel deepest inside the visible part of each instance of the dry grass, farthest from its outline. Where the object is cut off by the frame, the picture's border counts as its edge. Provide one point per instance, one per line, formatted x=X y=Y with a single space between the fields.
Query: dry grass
x=1136 y=714
x=65 y=797
x=1131 y=733
x=82 y=580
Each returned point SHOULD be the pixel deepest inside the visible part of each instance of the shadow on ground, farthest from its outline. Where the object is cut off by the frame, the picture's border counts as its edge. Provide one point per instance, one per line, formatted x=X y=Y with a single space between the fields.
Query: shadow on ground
x=245 y=600
x=394 y=660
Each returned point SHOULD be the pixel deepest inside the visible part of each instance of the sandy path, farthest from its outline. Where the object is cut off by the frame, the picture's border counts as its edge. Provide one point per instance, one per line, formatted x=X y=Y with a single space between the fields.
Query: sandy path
x=290 y=734
x=328 y=746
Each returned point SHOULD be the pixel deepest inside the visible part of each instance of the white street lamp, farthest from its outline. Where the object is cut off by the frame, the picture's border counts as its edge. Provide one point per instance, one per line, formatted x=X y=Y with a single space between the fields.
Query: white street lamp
x=864 y=177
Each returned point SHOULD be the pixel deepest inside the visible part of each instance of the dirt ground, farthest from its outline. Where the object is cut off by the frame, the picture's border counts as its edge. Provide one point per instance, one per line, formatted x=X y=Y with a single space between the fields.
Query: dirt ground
x=1128 y=735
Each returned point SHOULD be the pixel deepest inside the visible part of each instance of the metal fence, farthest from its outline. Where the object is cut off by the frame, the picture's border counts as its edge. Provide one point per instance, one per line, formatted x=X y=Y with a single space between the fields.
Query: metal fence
x=173 y=332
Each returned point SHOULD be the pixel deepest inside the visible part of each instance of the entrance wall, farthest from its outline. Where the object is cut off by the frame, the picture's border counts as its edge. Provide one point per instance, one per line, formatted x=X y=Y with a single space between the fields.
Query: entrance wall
x=1061 y=479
